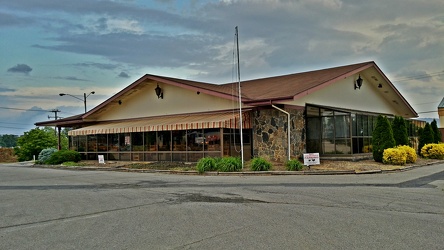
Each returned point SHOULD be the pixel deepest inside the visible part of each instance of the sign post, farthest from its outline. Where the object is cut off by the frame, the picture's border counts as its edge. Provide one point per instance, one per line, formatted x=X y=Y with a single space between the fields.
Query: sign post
x=101 y=159
x=311 y=159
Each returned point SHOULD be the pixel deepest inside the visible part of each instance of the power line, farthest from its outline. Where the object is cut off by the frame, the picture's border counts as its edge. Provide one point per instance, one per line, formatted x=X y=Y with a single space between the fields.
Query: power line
x=15 y=123
x=408 y=78
x=12 y=127
x=435 y=111
x=26 y=109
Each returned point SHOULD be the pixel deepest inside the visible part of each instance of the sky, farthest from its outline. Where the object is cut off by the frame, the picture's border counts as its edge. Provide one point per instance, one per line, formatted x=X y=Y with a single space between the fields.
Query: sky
x=49 y=47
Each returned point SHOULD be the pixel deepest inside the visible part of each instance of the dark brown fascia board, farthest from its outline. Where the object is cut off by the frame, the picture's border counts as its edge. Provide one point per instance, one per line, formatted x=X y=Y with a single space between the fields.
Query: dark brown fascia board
x=68 y=120
x=265 y=102
x=195 y=88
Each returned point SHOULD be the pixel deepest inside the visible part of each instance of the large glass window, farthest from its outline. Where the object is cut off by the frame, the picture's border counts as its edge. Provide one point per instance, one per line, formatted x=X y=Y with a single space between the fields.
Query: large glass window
x=82 y=143
x=137 y=141
x=74 y=143
x=113 y=141
x=212 y=139
x=102 y=143
x=338 y=132
x=92 y=143
x=195 y=140
x=164 y=141
x=125 y=142
x=150 y=141
x=179 y=140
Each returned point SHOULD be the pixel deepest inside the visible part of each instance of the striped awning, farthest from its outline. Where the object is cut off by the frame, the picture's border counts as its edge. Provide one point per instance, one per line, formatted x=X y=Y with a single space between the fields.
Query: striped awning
x=166 y=123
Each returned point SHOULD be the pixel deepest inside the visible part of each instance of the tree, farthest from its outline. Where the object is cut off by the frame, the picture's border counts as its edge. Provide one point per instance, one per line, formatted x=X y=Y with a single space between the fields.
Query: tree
x=64 y=138
x=425 y=137
x=8 y=141
x=436 y=132
x=400 y=133
x=382 y=137
x=34 y=141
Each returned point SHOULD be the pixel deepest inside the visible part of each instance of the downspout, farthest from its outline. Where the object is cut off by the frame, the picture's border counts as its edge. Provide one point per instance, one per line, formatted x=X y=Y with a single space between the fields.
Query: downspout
x=288 y=128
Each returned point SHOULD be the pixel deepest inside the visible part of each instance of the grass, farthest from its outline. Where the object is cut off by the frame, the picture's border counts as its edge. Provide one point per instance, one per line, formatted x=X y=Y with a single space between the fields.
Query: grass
x=177 y=166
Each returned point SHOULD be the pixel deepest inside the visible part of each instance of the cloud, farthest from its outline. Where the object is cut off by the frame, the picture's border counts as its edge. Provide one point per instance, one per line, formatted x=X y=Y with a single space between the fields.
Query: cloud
x=107 y=66
x=20 y=68
x=123 y=75
x=2 y=89
x=70 y=78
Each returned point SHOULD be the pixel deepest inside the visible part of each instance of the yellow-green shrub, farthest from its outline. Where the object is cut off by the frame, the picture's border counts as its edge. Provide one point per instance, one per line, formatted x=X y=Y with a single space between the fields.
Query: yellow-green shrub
x=411 y=153
x=394 y=156
x=433 y=151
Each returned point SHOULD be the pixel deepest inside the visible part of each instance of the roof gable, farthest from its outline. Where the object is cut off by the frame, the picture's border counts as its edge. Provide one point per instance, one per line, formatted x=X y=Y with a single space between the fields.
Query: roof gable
x=265 y=90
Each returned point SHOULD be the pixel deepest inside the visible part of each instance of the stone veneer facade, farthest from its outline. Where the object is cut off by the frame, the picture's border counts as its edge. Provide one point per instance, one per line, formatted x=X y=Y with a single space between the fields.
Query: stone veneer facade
x=270 y=134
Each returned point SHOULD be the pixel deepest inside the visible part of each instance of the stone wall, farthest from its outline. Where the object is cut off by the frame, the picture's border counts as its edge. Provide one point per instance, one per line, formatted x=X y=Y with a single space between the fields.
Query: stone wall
x=270 y=134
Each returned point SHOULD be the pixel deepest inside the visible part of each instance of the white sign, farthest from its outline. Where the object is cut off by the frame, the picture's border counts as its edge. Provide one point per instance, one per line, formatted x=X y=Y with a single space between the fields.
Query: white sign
x=311 y=159
x=101 y=159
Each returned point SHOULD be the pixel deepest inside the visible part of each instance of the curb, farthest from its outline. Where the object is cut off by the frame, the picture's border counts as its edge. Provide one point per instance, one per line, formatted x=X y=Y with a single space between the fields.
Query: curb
x=246 y=173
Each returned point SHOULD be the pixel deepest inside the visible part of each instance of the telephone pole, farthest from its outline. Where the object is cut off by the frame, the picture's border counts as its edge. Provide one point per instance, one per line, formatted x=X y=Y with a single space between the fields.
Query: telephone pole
x=57 y=129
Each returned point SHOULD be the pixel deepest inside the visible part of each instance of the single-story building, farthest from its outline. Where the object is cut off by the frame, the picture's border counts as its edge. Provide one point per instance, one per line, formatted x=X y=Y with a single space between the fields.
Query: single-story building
x=329 y=111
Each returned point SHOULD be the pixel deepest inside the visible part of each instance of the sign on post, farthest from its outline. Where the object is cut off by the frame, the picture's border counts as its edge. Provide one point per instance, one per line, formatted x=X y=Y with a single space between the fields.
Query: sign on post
x=101 y=159
x=311 y=159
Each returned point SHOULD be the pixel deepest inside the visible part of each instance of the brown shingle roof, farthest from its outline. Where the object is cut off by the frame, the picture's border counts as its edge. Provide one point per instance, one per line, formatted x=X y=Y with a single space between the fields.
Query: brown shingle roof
x=289 y=86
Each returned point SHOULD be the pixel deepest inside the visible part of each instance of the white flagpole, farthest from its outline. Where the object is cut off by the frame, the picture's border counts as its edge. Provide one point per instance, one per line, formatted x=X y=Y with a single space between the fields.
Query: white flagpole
x=240 y=100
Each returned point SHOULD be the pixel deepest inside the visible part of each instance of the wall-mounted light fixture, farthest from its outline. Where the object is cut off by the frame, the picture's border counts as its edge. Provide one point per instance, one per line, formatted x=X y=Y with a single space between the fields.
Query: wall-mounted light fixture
x=120 y=102
x=380 y=86
x=358 y=83
x=198 y=92
x=159 y=92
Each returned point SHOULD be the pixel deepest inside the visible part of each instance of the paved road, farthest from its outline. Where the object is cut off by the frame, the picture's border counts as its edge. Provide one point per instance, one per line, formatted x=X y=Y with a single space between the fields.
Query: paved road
x=63 y=209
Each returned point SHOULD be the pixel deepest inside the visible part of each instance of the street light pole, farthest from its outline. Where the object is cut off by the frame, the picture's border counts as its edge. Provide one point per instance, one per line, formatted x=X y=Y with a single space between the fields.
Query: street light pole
x=84 y=97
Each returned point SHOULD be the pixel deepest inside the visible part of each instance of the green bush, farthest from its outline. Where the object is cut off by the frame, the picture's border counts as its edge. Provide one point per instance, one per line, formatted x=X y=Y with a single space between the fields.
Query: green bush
x=436 y=132
x=62 y=156
x=229 y=164
x=206 y=164
x=45 y=154
x=294 y=165
x=433 y=151
x=395 y=156
x=426 y=137
x=400 y=133
x=260 y=164
x=382 y=138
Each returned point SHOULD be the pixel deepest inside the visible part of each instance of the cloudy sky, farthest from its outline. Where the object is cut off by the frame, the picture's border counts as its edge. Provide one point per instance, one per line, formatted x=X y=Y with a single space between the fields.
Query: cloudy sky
x=49 y=47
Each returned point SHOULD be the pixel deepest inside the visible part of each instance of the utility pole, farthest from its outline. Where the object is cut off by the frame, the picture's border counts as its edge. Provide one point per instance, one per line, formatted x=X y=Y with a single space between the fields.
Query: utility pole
x=55 y=111
x=57 y=129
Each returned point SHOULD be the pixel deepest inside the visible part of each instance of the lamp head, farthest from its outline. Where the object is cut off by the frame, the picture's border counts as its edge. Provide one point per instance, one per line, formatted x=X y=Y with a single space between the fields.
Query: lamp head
x=358 y=82
x=159 y=92
x=61 y=94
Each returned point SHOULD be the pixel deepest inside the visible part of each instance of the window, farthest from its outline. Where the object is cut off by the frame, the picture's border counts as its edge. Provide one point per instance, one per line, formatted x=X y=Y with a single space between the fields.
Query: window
x=150 y=141
x=195 y=140
x=125 y=142
x=179 y=140
x=164 y=141
x=137 y=140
